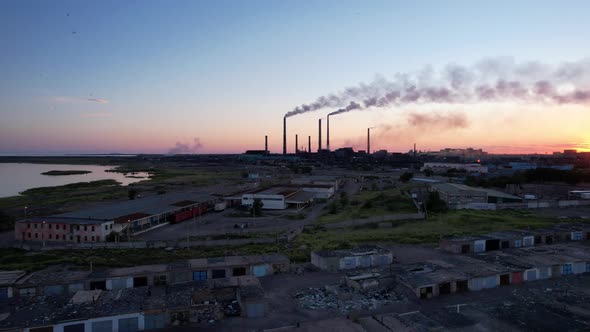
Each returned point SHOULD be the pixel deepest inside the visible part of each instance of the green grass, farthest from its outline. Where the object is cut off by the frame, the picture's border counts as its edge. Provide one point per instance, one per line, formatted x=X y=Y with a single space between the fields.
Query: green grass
x=425 y=231
x=368 y=204
x=16 y=259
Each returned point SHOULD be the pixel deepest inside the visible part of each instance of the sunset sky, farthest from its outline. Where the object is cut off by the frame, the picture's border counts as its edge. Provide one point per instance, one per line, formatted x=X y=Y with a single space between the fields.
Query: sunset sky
x=216 y=76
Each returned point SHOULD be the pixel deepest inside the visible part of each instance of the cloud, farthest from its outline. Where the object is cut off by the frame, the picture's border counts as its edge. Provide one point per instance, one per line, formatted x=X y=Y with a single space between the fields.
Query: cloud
x=74 y=100
x=438 y=120
x=186 y=148
x=99 y=100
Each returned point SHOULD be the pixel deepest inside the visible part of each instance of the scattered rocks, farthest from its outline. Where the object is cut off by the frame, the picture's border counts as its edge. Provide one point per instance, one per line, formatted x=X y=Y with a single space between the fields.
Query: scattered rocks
x=345 y=299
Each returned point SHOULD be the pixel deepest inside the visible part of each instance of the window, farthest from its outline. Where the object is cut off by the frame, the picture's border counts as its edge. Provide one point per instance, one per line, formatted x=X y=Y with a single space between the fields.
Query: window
x=199 y=275
x=49 y=226
x=50 y=236
x=111 y=226
x=63 y=237
x=85 y=228
x=92 y=238
x=77 y=227
x=28 y=225
x=587 y=267
x=567 y=269
x=71 y=237
x=576 y=236
x=106 y=227
x=93 y=228
x=85 y=238
x=36 y=235
x=29 y=235
x=35 y=225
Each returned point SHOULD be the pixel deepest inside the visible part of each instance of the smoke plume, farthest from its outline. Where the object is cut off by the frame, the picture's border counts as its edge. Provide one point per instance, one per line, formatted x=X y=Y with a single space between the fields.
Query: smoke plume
x=447 y=121
x=490 y=80
x=183 y=148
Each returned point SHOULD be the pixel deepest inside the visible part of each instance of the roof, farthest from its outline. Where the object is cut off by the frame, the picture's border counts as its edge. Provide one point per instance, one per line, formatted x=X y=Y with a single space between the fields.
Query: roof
x=301 y=197
x=236 y=260
x=456 y=188
x=150 y=205
x=358 y=251
x=64 y=220
x=10 y=277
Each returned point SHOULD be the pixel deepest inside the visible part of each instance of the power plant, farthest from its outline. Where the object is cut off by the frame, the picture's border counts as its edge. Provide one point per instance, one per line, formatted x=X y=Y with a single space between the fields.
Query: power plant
x=319 y=135
x=285 y=135
x=328 y=133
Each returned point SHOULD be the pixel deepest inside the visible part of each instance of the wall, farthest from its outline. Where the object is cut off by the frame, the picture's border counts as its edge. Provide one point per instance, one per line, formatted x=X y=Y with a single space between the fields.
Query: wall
x=88 y=323
x=271 y=202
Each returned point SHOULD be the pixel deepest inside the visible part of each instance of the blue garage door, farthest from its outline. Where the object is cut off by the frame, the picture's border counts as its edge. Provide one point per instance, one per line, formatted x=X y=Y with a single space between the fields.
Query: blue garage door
x=255 y=310
x=155 y=321
x=103 y=326
x=128 y=324
x=259 y=270
x=3 y=293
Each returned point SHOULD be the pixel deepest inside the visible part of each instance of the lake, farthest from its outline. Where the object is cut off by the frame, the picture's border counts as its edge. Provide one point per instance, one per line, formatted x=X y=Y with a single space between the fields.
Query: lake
x=18 y=177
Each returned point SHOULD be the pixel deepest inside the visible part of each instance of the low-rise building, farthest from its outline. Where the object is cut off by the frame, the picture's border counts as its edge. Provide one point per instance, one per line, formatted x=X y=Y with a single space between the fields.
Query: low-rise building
x=63 y=229
x=459 y=196
x=444 y=167
x=357 y=258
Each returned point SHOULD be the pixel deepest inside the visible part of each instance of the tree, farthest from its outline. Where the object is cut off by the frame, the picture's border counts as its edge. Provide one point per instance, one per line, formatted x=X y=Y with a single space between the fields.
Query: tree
x=406 y=176
x=428 y=172
x=435 y=203
x=132 y=193
x=257 y=207
x=344 y=198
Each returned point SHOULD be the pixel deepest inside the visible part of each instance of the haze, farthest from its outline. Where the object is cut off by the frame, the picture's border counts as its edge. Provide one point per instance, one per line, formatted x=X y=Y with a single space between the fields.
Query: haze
x=215 y=77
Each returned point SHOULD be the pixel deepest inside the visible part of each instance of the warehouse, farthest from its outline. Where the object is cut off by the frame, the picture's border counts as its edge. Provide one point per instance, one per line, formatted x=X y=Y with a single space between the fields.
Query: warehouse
x=63 y=229
x=122 y=218
x=357 y=258
x=459 y=196
x=278 y=198
x=444 y=167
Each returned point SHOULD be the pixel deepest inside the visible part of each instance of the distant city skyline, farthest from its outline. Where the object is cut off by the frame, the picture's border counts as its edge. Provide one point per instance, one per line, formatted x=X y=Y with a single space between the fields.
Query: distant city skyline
x=217 y=76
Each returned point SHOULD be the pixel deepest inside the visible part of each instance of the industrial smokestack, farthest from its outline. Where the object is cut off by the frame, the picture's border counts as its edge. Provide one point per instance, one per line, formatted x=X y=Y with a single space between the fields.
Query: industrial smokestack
x=309 y=144
x=328 y=133
x=296 y=144
x=285 y=135
x=320 y=135
x=368 y=140
x=266 y=143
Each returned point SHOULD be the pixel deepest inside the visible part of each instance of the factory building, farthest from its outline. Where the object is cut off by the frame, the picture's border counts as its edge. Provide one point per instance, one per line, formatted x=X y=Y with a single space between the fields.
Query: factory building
x=63 y=229
x=459 y=196
x=125 y=217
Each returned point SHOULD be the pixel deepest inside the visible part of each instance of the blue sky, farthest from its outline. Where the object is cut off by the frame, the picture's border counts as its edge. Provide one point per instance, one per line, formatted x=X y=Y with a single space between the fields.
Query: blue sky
x=175 y=70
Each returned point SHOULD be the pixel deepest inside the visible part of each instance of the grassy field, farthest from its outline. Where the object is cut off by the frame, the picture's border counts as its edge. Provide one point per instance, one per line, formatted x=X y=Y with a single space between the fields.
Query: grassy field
x=16 y=259
x=367 y=204
x=425 y=231
x=407 y=232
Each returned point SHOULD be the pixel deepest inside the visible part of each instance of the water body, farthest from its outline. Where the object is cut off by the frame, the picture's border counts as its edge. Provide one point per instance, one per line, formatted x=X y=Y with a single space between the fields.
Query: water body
x=18 y=177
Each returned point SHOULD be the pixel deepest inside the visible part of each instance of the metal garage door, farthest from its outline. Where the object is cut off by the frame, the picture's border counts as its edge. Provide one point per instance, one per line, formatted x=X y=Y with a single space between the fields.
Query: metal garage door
x=128 y=324
x=365 y=261
x=54 y=290
x=479 y=246
x=3 y=293
x=259 y=270
x=74 y=328
x=102 y=326
x=119 y=284
x=155 y=321
x=531 y=275
x=255 y=310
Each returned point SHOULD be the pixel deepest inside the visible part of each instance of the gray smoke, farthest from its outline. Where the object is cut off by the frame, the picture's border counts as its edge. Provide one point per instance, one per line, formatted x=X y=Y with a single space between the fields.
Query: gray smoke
x=184 y=148
x=490 y=80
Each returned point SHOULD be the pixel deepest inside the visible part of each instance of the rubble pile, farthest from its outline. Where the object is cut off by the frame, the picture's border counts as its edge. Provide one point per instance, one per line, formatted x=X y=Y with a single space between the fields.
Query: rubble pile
x=344 y=299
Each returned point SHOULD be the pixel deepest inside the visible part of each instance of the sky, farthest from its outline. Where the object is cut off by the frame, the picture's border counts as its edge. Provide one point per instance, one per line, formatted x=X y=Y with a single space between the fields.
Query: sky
x=217 y=76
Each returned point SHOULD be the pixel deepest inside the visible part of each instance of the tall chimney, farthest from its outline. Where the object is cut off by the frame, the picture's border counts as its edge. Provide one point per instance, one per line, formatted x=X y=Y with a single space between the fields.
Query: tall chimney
x=285 y=135
x=296 y=144
x=368 y=140
x=309 y=144
x=265 y=143
x=320 y=135
x=328 y=133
